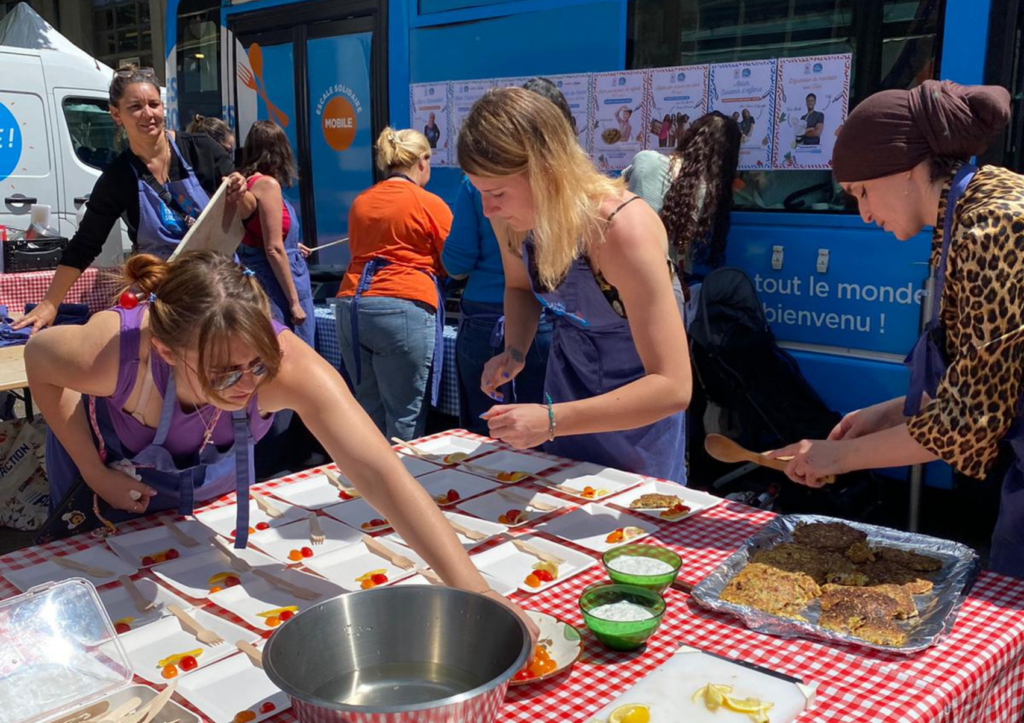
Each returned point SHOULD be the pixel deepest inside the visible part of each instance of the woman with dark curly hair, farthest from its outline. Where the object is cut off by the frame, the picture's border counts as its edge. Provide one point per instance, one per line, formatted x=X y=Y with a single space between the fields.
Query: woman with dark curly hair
x=692 y=188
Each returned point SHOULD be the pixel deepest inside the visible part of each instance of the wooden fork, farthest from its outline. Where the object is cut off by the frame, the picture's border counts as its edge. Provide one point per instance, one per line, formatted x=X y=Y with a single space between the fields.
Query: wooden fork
x=191 y=625
x=138 y=599
x=268 y=509
x=379 y=549
x=180 y=535
x=524 y=546
x=316 y=533
x=474 y=535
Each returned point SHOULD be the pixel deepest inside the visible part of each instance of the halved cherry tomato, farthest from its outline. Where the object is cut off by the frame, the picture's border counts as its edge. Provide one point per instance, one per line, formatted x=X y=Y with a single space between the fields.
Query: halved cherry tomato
x=544 y=575
x=262 y=525
x=379 y=579
x=286 y=615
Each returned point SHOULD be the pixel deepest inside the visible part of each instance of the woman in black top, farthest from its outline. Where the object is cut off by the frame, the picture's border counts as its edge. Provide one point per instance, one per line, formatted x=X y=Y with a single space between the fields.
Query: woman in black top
x=161 y=183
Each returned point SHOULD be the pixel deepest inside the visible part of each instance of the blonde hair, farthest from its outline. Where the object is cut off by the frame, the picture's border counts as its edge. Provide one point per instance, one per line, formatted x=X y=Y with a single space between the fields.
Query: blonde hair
x=399 y=150
x=202 y=300
x=511 y=131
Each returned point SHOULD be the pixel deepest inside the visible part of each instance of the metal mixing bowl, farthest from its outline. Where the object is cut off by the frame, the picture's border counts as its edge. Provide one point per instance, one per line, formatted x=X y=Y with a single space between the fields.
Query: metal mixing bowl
x=398 y=655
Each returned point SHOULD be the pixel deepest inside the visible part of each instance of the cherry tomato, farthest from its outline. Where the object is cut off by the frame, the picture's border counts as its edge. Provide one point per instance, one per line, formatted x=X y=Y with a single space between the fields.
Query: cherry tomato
x=147 y=561
x=122 y=628
x=262 y=525
x=524 y=674
x=379 y=579
x=453 y=496
x=544 y=575
x=172 y=554
x=294 y=555
x=169 y=672
x=234 y=533
x=533 y=581
x=273 y=621
x=307 y=552
x=188 y=663
x=268 y=707
x=245 y=716
x=216 y=588
x=232 y=581
x=367 y=584
x=286 y=615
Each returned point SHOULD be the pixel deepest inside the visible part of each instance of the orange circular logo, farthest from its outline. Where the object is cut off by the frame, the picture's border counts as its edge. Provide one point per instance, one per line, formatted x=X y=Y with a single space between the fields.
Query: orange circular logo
x=339 y=123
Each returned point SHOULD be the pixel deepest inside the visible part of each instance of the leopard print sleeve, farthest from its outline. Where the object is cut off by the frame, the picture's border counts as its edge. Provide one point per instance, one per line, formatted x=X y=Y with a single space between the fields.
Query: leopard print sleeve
x=977 y=397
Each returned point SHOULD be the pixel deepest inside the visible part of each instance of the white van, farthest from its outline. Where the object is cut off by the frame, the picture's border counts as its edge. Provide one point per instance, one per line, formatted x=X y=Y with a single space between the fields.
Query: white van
x=56 y=137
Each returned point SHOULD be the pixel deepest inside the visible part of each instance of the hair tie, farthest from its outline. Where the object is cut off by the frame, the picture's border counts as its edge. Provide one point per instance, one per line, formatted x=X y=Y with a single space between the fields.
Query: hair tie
x=152 y=297
x=393 y=137
x=248 y=272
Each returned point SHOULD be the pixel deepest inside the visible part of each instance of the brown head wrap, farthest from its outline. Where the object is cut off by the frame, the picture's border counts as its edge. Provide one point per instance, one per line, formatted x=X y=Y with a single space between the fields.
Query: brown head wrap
x=893 y=131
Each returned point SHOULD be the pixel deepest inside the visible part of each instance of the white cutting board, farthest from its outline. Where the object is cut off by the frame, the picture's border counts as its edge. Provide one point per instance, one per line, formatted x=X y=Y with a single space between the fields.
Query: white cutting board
x=669 y=690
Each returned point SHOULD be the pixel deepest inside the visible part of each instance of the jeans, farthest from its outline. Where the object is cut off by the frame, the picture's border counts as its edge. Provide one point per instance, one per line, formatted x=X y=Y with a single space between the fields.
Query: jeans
x=473 y=350
x=396 y=346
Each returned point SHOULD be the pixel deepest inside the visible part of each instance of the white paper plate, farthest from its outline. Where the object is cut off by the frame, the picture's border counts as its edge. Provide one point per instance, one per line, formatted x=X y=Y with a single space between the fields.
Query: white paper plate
x=313 y=493
x=590 y=525
x=696 y=500
x=465 y=484
x=504 y=461
x=278 y=542
x=191 y=575
x=506 y=563
x=134 y=547
x=451 y=444
x=489 y=507
x=147 y=646
x=344 y=566
x=417 y=467
x=121 y=608
x=562 y=641
x=259 y=596
x=228 y=687
x=574 y=480
x=222 y=519
x=491 y=529
x=500 y=587
x=356 y=513
x=98 y=557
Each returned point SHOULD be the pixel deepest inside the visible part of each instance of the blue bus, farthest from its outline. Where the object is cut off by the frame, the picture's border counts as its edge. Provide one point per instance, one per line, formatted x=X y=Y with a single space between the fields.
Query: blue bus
x=332 y=73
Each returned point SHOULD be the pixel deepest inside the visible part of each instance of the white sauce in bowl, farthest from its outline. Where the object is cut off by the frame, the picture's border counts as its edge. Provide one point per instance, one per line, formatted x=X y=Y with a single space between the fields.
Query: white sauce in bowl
x=622 y=612
x=638 y=565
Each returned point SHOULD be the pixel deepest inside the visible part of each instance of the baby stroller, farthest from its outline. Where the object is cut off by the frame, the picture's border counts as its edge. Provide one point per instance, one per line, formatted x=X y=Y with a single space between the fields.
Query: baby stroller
x=751 y=391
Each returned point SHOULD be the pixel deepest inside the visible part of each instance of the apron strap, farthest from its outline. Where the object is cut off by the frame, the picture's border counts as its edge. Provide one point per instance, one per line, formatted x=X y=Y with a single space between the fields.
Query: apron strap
x=438 y=359
x=370 y=268
x=245 y=473
x=956 y=189
x=167 y=410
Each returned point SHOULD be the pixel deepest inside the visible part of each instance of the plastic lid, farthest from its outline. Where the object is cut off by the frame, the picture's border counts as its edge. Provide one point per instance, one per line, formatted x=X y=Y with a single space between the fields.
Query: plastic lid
x=58 y=652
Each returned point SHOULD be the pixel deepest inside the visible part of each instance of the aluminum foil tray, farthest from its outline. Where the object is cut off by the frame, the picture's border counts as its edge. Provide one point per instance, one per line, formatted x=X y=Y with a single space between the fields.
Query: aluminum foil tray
x=937 y=610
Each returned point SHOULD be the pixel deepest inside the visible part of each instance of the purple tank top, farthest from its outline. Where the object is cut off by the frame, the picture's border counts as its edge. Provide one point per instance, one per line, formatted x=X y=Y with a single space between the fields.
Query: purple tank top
x=187 y=429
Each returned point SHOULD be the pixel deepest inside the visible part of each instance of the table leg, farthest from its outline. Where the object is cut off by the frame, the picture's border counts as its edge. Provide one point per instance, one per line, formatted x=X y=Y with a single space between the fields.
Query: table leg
x=29 y=412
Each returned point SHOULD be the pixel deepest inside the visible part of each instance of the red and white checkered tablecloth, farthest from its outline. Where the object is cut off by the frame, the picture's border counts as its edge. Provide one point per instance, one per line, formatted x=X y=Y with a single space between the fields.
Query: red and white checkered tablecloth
x=95 y=288
x=976 y=675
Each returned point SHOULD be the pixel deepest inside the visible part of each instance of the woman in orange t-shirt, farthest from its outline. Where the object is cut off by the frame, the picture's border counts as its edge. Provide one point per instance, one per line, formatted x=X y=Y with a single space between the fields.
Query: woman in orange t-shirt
x=390 y=311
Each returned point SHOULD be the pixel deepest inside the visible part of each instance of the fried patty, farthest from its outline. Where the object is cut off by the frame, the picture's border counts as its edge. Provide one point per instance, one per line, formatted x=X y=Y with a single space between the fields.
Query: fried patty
x=887 y=601
x=909 y=559
x=886 y=572
x=834 y=536
x=822 y=565
x=849 y=618
x=654 y=502
x=771 y=590
x=860 y=552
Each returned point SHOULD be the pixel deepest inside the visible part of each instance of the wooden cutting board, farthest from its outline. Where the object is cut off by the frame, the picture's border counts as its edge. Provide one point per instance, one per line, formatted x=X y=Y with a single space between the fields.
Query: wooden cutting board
x=669 y=689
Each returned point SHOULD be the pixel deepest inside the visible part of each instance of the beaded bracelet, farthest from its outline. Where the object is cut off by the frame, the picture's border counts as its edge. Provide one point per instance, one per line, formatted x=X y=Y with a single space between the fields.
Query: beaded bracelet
x=551 y=417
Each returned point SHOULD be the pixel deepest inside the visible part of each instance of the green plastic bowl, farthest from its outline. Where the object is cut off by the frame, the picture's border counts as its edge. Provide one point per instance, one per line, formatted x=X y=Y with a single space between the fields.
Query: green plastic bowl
x=657 y=583
x=621 y=635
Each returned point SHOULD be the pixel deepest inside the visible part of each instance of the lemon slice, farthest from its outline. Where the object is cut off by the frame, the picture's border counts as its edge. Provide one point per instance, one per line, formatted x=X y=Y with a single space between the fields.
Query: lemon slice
x=455 y=457
x=371 y=573
x=631 y=713
x=176 y=658
x=756 y=709
x=714 y=695
x=277 y=611
x=628 y=533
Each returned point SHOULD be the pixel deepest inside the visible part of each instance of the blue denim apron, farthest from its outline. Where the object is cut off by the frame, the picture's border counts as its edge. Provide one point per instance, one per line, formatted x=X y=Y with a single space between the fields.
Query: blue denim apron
x=928 y=364
x=161 y=229
x=280 y=309
x=365 y=279
x=212 y=472
x=593 y=352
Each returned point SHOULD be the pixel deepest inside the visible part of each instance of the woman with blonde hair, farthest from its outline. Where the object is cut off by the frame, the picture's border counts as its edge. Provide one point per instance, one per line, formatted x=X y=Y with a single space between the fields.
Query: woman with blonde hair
x=573 y=241
x=390 y=314
x=154 y=405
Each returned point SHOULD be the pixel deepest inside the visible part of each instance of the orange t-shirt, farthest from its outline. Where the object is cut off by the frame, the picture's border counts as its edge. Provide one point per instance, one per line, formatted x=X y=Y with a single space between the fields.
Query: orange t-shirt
x=398 y=221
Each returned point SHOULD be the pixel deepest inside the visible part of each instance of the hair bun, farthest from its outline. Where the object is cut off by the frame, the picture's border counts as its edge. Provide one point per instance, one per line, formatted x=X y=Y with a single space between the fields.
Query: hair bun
x=143 y=273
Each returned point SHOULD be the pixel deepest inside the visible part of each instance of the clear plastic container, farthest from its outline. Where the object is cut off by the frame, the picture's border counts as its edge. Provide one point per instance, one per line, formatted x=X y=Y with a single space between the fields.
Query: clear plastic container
x=58 y=653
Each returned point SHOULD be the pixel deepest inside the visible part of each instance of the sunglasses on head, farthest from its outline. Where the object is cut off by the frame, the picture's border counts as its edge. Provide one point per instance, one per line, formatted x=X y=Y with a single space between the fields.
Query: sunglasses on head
x=143 y=73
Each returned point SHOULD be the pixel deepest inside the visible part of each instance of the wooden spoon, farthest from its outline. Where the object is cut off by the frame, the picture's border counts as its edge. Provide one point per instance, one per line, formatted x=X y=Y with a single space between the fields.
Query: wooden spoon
x=725 y=450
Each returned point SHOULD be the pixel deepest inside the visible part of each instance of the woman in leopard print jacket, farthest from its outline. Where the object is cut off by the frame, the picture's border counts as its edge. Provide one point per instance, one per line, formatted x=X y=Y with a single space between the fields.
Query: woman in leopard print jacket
x=904 y=156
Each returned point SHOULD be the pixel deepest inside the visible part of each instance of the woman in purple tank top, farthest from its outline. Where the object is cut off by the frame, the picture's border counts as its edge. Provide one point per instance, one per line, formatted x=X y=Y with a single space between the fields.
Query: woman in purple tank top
x=618 y=376
x=157 y=405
